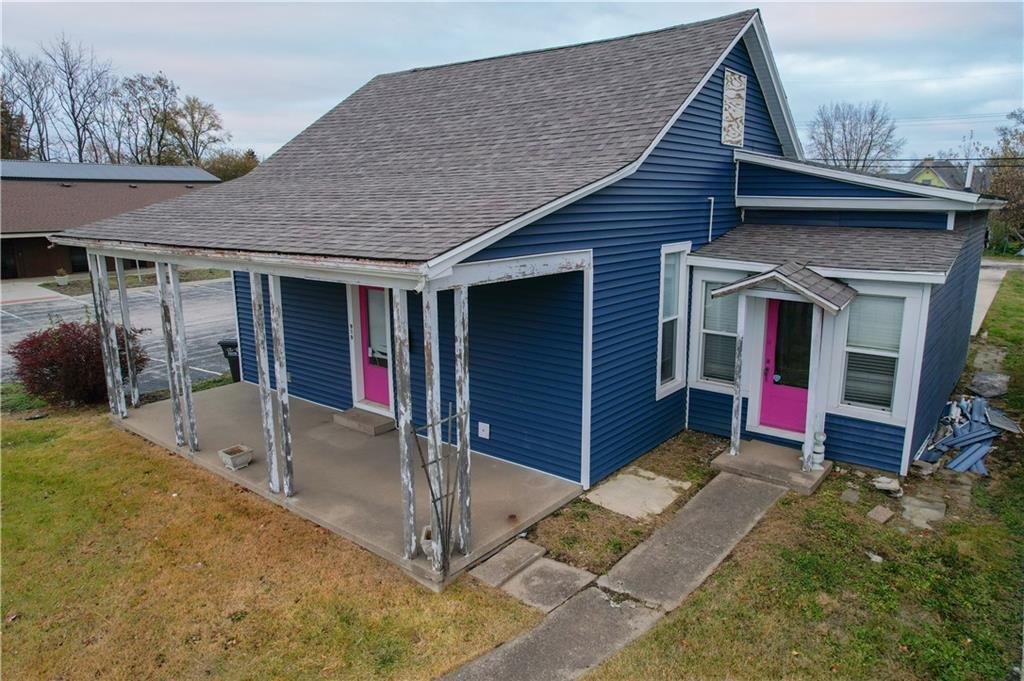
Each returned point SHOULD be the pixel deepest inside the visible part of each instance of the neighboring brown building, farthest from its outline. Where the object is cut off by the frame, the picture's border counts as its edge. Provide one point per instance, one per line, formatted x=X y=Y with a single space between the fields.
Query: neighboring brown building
x=38 y=198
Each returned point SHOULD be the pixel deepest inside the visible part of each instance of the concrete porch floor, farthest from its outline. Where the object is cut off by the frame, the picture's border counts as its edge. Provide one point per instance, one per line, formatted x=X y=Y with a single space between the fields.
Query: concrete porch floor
x=771 y=463
x=349 y=482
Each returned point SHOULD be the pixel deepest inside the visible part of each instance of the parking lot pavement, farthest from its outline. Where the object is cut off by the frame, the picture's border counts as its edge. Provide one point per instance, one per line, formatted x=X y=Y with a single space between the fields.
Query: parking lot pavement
x=209 y=317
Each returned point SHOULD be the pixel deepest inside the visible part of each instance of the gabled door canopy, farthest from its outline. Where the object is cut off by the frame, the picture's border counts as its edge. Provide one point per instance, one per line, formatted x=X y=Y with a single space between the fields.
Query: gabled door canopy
x=828 y=294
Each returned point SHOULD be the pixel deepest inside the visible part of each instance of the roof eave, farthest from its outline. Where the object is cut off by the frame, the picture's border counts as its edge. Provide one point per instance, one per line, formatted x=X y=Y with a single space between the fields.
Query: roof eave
x=916 y=277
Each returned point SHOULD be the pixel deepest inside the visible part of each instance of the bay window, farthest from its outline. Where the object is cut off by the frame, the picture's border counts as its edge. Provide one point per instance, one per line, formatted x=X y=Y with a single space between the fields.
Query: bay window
x=872 y=351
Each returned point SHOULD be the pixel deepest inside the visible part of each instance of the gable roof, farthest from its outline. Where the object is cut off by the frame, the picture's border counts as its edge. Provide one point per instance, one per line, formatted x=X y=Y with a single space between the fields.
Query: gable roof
x=52 y=170
x=853 y=248
x=828 y=294
x=417 y=163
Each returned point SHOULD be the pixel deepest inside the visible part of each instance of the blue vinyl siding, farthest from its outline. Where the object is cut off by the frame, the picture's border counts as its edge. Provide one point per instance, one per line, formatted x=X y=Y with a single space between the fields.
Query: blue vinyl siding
x=315 y=338
x=864 y=443
x=525 y=369
x=625 y=224
x=848 y=218
x=759 y=180
x=949 y=328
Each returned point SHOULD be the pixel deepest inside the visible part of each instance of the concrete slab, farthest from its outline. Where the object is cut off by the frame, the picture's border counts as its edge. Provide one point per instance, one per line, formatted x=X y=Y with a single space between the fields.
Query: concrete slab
x=546 y=584
x=988 y=286
x=637 y=493
x=508 y=562
x=880 y=514
x=571 y=640
x=850 y=496
x=921 y=512
x=364 y=421
x=680 y=555
x=771 y=463
x=349 y=482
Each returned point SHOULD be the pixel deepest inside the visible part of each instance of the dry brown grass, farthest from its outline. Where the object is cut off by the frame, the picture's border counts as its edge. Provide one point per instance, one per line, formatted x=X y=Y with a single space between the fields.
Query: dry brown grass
x=122 y=561
x=593 y=538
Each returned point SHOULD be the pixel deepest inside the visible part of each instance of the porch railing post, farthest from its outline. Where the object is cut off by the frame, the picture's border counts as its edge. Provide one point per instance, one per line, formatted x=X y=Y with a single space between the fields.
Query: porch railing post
x=97 y=299
x=181 y=347
x=403 y=418
x=126 y=324
x=170 y=355
x=435 y=466
x=263 y=369
x=281 y=372
x=108 y=332
x=462 y=405
x=814 y=371
x=737 y=396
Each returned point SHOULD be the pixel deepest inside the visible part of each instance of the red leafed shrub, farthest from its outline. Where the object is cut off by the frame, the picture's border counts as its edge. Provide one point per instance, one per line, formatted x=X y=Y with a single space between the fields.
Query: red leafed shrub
x=64 y=363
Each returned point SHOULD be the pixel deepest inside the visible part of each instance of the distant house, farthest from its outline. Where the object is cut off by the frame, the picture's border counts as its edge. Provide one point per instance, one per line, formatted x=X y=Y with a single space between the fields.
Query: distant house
x=39 y=198
x=937 y=172
x=554 y=261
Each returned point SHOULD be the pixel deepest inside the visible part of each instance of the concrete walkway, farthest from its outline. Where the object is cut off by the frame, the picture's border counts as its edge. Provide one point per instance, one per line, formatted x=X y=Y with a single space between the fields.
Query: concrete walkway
x=990 y=279
x=639 y=590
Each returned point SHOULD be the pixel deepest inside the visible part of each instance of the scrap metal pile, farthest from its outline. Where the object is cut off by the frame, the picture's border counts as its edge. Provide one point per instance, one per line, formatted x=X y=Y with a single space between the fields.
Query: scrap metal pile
x=967 y=434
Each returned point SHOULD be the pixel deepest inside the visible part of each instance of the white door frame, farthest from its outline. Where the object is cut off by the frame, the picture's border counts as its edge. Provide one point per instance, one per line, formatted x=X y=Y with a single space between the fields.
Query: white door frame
x=355 y=331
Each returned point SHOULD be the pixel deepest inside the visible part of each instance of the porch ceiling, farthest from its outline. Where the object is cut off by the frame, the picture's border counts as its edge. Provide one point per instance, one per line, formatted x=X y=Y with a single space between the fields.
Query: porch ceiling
x=349 y=482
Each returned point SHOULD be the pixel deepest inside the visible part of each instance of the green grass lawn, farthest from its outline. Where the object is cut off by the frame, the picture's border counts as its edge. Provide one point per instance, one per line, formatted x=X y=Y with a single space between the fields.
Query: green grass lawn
x=799 y=598
x=123 y=561
x=79 y=287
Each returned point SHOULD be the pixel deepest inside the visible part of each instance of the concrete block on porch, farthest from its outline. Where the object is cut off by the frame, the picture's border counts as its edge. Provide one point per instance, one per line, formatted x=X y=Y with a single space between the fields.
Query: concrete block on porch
x=772 y=463
x=364 y=421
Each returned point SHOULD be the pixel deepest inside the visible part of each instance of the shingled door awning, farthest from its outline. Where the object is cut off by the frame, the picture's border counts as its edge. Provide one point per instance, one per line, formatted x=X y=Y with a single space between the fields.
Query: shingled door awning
x=828 y=294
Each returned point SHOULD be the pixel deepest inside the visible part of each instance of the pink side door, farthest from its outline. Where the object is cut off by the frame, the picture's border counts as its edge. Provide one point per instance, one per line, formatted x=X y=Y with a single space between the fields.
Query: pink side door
x=787 y=354
x=373 y=344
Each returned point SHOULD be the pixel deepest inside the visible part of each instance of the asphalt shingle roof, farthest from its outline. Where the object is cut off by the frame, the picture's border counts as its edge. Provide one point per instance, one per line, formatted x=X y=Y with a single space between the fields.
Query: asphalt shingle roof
x=857 y=248
x=416 y=163
x=102 y=172
x=835 y=292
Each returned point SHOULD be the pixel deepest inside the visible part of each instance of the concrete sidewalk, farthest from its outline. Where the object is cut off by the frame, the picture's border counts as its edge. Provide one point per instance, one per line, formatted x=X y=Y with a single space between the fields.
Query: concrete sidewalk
x=651 y=580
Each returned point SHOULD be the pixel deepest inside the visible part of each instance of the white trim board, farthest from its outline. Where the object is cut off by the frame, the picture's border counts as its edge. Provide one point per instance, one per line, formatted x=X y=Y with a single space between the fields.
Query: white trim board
x=832 y=272
x=854 y=203
x=961 y=197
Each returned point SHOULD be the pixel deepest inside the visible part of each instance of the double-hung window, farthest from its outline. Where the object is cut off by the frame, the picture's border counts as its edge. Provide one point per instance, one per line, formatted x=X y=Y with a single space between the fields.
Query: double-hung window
x=718 y=336
x=872 y=351
x=672 y=317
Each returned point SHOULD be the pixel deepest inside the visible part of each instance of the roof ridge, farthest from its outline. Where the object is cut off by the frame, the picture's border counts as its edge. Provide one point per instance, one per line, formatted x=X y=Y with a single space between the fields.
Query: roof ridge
x=751 y=12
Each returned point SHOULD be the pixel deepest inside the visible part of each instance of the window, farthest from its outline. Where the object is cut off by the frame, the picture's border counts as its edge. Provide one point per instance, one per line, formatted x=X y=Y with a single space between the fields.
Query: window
x=718 y=336
x=672 y=317
x=734 y=105
x=872 y=351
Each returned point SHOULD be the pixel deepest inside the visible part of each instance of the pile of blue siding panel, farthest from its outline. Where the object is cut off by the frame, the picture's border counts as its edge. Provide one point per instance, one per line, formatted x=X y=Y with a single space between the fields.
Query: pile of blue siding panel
x=972 y=437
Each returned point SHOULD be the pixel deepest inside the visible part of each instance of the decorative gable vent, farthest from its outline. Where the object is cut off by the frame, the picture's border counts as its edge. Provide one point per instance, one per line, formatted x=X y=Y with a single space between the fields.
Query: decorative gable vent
x=734 y=107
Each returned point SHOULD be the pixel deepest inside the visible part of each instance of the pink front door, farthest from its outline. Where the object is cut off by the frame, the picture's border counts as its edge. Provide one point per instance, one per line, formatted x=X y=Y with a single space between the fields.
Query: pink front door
x=787 y=356
x=373 y=343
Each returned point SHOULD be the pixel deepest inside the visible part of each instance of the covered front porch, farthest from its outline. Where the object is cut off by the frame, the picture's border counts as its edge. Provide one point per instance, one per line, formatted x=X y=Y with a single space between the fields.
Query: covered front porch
x=349 y=482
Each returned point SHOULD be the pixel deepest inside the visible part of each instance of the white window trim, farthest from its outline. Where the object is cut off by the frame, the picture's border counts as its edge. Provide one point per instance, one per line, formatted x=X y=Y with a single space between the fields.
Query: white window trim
x=678 y=381
x=905 y=365
x=701 y=278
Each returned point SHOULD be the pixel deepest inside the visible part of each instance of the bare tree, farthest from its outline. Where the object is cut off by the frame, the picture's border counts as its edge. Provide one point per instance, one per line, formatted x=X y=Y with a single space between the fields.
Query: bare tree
x=150 y=108
x=199 y=128
x=28 y=87
x=82 y=84
x=855 y=136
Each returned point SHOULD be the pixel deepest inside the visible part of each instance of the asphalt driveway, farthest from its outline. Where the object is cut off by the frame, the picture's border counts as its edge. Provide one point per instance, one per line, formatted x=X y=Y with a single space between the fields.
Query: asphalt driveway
x=209 y=317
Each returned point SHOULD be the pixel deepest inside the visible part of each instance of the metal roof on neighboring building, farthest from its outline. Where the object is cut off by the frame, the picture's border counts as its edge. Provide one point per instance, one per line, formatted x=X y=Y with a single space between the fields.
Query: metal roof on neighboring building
x=101 y=172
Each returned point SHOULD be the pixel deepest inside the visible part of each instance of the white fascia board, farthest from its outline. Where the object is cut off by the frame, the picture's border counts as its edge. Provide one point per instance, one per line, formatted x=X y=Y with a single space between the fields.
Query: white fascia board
x=854 y=178
x=852 y=203
x=509 y=269
x=24 y=235
x=368 y=273
x=771 y=87
x=442 y=263
x=831 y=272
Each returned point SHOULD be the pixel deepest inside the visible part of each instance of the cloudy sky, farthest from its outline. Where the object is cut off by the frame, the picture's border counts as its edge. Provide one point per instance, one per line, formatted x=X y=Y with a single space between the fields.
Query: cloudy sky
x=944 y=69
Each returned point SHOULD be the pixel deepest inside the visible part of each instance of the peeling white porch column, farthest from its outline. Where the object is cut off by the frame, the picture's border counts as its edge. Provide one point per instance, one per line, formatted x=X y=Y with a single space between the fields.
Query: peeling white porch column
x=182 y=366
x=126 y=325
x=263 y=370
x=812 y=420
x=281 y=372
x=111 y=363
x=462 y=405
x=737 y=384
x=170 y=356
x=403 y=419
x=435 y=466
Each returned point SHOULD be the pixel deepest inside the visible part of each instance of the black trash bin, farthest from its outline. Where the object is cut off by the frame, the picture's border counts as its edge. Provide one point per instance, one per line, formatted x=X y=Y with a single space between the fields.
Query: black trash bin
x=230 y=349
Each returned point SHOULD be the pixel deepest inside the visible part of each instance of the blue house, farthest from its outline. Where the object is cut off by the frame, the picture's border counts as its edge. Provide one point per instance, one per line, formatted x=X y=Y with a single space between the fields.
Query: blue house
x=557 y=260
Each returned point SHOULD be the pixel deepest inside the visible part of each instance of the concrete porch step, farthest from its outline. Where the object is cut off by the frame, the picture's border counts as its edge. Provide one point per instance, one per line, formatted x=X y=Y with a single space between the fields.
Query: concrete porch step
x=507 y=563
x=771 y=463
x=364 y=421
